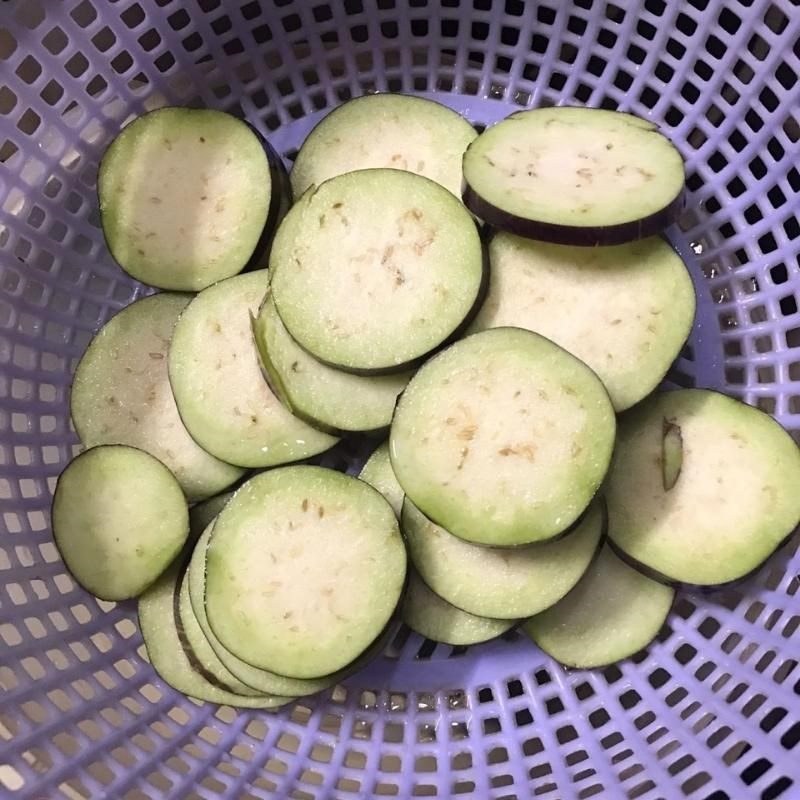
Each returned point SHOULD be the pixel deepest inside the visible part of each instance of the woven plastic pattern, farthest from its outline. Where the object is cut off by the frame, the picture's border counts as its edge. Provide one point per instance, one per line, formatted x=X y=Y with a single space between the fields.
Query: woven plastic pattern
x=712 y=711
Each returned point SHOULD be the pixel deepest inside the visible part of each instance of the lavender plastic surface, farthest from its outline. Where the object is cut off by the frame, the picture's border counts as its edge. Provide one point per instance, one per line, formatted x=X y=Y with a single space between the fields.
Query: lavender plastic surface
x=711 y=711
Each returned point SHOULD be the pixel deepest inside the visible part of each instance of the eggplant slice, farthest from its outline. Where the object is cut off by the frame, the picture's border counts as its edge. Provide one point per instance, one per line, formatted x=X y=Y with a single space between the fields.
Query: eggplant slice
x=577 y=176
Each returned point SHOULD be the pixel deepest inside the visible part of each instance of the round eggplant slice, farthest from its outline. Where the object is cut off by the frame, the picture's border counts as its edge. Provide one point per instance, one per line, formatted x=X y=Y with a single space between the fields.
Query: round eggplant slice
x=385 y=130
x=119 y=518
x=578 y=176
x=703 y=488
x=304 y=569
x=166 y=653
x=186 y=197
x=378 y=473
x=121 y=394
x=369 y=241
x=503 y=438
x=504 y=583
x=215 y=373
x=434 y=618
x=624 y=310
x=328 y=398
x=613 y=613
x=261 y=680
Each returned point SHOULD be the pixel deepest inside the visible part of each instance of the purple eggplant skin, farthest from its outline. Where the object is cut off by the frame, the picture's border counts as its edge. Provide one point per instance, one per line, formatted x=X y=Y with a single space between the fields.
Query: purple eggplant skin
x=279 y=203
x=579 y=236
x=703 y=588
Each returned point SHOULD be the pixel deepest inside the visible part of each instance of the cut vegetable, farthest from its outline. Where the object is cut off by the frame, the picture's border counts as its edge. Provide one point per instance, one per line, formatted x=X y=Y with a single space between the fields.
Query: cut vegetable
x=216 y=377
x=378 y=473
x=369 y=241
x=385 y=130
x=504 y=583
x=671 y=454
x=578 y=176
x=204 y=513
x=259 y=679
x=121 y=395
x=165 y=651
x=611 y=614
x=328 y=398
x=625 y=311
x=200 y=651
x=736 y=500
x=503 y=438
x=303 y=571
x=430 y=616
x=188 y=196
x=119 y=518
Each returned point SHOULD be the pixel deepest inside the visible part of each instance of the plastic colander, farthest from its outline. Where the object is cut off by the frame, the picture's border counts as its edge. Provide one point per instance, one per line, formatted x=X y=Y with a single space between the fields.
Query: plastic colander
x=710 y=711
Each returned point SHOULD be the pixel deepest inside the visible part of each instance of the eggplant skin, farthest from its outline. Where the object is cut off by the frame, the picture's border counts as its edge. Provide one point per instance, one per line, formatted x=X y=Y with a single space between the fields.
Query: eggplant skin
x=703 y=588
x=578 y=236
x=280 y=202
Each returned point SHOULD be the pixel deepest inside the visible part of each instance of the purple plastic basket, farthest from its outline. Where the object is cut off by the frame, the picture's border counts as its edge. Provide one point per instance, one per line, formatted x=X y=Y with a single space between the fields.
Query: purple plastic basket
x=711 y=711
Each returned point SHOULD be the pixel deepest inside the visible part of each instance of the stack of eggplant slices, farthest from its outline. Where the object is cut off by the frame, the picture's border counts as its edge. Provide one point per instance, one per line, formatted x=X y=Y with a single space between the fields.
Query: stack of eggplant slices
x=498 y=307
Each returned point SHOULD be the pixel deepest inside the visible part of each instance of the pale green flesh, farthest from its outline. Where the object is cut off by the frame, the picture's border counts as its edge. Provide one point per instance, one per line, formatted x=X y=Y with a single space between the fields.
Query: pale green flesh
x=216 y=377
x=119 y=518
x=504 y=583
x=259 y=679
x=184 y=196
x=575 y=166
x=624 y=310
x=369 y=241
x=328 y=398
x=121 y=395
x=200 y=649
x=503 y=438
x=166 y=654
x=303 y=570
x=611 y=614
x=736 y=498
x=378 y=473
x=431 y=616
x=385 y=130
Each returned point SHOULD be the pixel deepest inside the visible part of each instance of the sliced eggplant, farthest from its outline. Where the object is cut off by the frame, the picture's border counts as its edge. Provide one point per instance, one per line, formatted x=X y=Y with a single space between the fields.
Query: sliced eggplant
x=378 y=473
x=624 y=310
x=203 y=513
x=188 y=196
x=434 y=618
x=200 y=651
x=369 y=241
x=504 y=583
x=327 y=398
x=261 y=680
x=119 y=518
x=734 y=504
x=503 y=438
x=385 y=130
x=613 y=613
x=578 y=176
x=165 y=651
x=121 y=395
x=304 y=569
x=216 y=378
